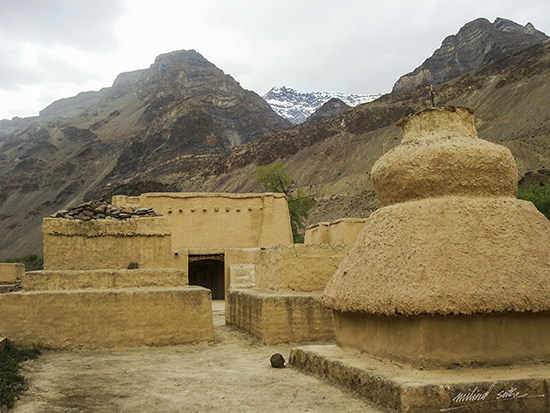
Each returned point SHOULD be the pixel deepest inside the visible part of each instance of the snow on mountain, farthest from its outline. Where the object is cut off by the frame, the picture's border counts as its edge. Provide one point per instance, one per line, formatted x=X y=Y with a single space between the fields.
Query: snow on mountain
x=298 y=106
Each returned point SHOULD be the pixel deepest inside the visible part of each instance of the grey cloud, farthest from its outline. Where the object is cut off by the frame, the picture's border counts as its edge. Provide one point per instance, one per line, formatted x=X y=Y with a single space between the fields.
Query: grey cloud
x=355 y=46
x=47 y=69
x=318 y=45
x=48 y=26
x=364 y=45
x=80 y=24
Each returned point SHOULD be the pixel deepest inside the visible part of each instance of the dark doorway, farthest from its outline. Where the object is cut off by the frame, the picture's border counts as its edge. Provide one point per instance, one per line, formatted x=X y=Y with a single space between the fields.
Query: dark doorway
x=208 y=271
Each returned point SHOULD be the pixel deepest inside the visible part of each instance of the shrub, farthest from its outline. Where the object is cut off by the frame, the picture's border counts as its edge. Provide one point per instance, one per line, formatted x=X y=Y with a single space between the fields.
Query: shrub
x=538 y=195
x=12 y=384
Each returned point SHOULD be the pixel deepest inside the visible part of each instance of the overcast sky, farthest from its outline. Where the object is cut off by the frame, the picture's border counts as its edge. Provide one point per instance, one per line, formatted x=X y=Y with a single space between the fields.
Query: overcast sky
x=51 y=49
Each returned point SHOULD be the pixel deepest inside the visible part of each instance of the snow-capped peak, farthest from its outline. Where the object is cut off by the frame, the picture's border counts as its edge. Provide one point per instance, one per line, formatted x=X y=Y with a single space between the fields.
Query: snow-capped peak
x=298 y=106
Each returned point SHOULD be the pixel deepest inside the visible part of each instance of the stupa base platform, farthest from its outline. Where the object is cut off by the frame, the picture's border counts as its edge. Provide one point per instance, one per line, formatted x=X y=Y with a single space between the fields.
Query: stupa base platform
x=279 y=317
x=517 y=388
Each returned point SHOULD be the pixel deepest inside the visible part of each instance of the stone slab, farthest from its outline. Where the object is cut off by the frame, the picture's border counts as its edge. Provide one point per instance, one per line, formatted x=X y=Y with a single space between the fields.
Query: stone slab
x=83 y=279
x=518 y=388
x=104 y=318
x=279 y=317
x=241 y=275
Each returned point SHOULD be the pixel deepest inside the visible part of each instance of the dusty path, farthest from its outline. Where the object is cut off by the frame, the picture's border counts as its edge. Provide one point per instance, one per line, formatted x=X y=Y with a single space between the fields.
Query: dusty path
x=231 y=375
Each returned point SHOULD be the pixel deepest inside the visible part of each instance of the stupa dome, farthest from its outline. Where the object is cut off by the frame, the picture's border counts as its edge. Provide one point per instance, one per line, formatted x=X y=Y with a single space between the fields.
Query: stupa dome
x=441 y=155
x=450 y=238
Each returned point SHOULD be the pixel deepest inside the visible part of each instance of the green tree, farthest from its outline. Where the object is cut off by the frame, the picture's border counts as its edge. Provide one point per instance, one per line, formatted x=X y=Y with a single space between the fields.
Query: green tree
x=274 y=178
x=538 y=195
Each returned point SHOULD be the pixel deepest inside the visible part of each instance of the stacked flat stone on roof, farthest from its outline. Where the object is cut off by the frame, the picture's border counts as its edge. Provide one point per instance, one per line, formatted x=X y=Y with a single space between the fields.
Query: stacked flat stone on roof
x=100 y=209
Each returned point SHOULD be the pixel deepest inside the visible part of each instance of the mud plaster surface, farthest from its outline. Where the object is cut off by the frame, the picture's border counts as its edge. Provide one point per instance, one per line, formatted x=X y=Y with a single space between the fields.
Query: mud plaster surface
x=231 y=375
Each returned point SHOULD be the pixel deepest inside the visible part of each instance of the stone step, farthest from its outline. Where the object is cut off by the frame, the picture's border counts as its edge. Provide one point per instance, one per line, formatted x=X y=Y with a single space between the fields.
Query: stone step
x=404 y=389
x=8 y=286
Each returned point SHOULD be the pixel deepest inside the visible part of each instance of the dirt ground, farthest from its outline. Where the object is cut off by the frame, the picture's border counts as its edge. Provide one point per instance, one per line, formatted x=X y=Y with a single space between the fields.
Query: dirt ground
x=233 y=374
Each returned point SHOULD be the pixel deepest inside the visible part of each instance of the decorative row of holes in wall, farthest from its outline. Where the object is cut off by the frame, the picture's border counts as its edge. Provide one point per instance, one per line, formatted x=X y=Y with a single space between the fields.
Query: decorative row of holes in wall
x=215 y=209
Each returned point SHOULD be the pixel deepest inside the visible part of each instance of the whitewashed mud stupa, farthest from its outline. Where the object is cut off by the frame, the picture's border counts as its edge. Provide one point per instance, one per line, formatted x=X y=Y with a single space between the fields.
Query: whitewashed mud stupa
x=449 y=280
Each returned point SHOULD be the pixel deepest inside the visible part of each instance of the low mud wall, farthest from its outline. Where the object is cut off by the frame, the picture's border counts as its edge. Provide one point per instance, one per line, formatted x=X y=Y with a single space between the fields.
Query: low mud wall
x=11 y=272
x=88 y=319
x=84 y=279
x=279 y=317
x=341 y=231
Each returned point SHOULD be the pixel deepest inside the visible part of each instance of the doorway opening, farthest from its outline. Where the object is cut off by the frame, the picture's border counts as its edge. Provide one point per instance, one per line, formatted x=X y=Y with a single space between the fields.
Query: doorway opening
x=208 y=272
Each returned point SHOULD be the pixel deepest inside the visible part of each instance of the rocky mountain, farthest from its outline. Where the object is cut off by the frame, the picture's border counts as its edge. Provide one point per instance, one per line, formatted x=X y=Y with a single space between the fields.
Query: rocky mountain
x=476 y=44
x=179 y=114
x=298 y=106
x=330 y=108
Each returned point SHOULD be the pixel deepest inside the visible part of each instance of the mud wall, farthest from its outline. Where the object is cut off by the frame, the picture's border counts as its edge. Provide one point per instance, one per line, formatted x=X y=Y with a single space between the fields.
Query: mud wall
x=95 y=279
x=87 y=319
x=298 y=267
x=11 y=272
x=211 y=220
x=279 y=317
x=341 y=231
x=102 y=244
x=429 y=341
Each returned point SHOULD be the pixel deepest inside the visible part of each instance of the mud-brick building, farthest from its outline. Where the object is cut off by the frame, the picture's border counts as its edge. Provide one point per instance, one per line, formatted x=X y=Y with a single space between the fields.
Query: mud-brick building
x=216 y=236
x=149 y=280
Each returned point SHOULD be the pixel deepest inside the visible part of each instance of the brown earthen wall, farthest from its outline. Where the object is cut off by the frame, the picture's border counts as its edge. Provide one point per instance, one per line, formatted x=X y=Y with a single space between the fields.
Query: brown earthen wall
x=317 y=233
x=210 y=220
x=279 y=317
x=93 y=279
x=102 y=244
x=448 y=341
x=11 y=272
x=92 y=318
x=298 y=267
x=341 y=231
x=345 y=231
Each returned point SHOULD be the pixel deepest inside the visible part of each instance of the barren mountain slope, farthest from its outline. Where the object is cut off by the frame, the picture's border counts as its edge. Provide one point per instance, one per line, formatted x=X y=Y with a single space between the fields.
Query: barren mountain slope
x=333 y=158
x=180 y=113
